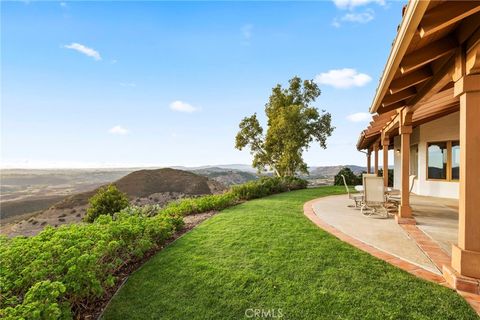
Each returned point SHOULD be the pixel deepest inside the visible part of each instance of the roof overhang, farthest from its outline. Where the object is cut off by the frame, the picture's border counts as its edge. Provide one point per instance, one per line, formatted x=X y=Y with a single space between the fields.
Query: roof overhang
x=419 y=72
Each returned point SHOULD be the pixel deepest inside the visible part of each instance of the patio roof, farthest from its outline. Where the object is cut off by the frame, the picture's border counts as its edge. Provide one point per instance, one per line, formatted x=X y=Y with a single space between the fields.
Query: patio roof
x=418 y=73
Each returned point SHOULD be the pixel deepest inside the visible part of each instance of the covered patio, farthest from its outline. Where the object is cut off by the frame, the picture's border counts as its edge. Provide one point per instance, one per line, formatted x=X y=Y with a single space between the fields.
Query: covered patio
x=436 y=219
x=426 y=109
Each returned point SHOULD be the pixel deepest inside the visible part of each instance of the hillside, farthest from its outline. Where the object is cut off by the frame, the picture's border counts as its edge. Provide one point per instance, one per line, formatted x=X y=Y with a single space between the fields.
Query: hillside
x=143 y=187
x=144 y=183
x=331 y=171
x=226 y=177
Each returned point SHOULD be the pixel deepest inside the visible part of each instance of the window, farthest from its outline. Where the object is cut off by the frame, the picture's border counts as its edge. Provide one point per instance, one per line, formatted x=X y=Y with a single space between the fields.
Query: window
x=443 y=160
x=414 y=160
x=455 y=160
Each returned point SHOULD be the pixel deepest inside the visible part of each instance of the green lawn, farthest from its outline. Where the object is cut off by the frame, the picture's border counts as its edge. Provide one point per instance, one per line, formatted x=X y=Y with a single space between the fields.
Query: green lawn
x=265 y=254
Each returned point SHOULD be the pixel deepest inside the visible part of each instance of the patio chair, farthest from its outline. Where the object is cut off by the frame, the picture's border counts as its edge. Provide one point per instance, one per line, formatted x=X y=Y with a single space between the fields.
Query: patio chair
x=357 y=198
x=396 y=198
x=374 y=196
x=365 y=175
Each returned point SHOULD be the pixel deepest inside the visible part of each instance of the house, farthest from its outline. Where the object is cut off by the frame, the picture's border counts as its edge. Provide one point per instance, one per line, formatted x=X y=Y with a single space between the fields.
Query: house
x=427 y=109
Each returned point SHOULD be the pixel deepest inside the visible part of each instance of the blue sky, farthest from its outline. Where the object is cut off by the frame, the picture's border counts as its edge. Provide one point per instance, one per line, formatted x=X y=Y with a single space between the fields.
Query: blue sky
x=89 y=84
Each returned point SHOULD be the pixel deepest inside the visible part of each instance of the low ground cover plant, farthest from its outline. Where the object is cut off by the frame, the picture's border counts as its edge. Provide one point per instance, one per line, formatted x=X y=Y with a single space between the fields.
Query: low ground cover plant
x=54 y=274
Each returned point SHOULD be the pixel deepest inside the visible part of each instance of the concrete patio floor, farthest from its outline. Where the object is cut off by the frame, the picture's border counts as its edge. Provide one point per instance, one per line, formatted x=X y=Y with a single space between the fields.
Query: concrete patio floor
x=437 y=218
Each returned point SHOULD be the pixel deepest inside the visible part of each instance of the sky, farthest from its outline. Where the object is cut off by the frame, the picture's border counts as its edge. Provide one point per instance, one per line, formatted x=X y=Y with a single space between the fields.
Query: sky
x=128 y=84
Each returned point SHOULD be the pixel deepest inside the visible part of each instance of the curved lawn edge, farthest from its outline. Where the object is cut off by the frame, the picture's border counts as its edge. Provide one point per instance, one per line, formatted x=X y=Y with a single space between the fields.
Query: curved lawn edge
x=265 y=254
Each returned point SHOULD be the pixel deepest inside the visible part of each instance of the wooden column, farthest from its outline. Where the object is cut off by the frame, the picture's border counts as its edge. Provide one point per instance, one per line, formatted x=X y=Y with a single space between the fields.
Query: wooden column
x=375 y=151
x=466 y=255
x=405 y=130
x=369 y=161
x=385 y=144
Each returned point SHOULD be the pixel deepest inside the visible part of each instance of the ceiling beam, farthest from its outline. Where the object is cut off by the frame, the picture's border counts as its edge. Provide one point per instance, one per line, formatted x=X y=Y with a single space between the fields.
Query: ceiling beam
x=392 y=124
x=399 y=96
x=411 y=79
x=427 y=54
x=441 y=78
x=391 y=107
x=445 y=15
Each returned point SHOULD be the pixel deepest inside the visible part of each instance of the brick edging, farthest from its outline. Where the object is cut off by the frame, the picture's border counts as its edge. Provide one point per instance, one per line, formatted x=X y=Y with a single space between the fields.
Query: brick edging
x=472 y=299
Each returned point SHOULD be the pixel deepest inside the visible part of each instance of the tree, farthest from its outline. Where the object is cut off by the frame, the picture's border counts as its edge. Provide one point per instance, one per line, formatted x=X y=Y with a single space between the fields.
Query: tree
x=107 y=200
x=351 y=178
x=292 y=125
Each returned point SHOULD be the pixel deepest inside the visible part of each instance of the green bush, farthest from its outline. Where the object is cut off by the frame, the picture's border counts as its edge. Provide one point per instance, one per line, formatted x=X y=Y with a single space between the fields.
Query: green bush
x=108 y=200
x=79 y=262
x=267 y=186
x=201 y=204
x=148 y=210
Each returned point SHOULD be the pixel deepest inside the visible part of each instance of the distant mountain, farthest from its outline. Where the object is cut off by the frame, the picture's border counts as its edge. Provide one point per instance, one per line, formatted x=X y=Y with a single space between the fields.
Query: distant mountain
x=225 y=176
x=331 y=171
x=220 y=167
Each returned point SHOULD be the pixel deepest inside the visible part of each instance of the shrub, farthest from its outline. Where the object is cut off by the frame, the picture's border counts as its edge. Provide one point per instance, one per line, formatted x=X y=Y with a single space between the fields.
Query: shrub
x=201 y=204
x=351 y=178
x=58 y=269
x=108 y=200
x=267 y=186
x=148 y=210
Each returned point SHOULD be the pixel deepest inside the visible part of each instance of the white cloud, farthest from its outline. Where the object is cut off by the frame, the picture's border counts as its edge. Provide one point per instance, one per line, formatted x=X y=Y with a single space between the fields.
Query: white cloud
x=351 y=4
x=343 y=78
x=128 y=84
x=181 y=106
x=359 y=117
x=119 y=130
x=362 y=17
x=85 y=50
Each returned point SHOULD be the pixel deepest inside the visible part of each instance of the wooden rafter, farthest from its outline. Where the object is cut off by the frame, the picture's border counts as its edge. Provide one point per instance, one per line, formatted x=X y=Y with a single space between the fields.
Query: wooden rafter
x=427 y=54
x=399 y=96
x=391 y=107
x=434 y=85
x=410 y=79
x=445 y=15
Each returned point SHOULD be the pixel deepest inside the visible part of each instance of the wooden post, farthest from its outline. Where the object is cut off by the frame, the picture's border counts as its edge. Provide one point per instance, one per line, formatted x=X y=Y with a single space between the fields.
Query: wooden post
x=369 y=161
x=385 y=144
x=375 y=151
x=466 y=255
x=405 y=130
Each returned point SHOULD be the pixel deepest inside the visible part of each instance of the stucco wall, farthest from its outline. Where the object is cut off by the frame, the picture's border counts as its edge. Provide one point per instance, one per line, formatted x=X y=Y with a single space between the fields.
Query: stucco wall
x=443 y=129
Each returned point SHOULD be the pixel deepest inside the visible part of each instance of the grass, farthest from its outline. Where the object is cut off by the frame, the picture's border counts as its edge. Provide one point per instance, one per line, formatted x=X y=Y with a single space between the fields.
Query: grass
x=265 y=254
